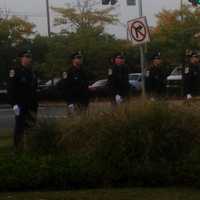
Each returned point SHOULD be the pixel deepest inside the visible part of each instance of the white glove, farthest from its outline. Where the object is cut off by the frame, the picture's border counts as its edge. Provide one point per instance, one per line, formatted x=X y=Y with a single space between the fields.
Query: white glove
x=118 y=99
x=147 y=73
x=71 y=108
x=16 y=110
x=189 y=96
x=152 y=99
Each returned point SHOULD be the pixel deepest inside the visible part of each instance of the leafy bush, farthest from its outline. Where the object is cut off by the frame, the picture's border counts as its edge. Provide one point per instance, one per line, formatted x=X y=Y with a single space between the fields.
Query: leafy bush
x=43 y=139
x=136 y=144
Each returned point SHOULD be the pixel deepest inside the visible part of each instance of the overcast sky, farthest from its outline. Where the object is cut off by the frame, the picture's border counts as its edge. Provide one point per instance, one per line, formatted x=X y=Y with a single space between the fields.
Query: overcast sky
x=36 y=11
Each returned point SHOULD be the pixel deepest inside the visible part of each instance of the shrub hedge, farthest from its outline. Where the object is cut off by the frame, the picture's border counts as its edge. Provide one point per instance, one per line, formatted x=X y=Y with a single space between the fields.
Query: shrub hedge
x=137 y=144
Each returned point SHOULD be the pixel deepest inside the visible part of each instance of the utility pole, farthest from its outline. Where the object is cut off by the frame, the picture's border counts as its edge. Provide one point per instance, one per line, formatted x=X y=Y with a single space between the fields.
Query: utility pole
x=181 y=8
x=48 y=19
x=181 y=4
x=142 y=54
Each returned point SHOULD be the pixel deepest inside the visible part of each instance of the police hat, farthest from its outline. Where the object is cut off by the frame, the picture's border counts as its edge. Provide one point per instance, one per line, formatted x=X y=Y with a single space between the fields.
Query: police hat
x=156 y=56
x=25 y=53
x=119 y=55
x=76 y=55
x=194 y=54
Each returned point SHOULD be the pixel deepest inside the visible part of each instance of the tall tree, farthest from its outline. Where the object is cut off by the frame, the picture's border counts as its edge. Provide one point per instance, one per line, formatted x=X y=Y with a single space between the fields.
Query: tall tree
x=176 y=31
x=12 y=32
x=85 y=14
x=15 y=29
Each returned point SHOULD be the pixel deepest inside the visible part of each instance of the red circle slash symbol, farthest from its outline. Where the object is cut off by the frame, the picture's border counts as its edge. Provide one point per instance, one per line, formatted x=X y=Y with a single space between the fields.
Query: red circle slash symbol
x=138 y=31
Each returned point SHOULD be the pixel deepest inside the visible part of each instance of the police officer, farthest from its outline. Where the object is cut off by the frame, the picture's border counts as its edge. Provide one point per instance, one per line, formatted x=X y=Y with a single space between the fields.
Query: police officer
x=75 y=85
x=191 y=76
x=22 y=88
x=118 y=79
x=155 y=77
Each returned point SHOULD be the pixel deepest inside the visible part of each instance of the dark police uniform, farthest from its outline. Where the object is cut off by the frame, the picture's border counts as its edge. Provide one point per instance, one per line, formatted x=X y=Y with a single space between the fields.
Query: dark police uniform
x=118 y=79
x=75 y=86
x=22 y=86
x=155 y=78
x=191 y=78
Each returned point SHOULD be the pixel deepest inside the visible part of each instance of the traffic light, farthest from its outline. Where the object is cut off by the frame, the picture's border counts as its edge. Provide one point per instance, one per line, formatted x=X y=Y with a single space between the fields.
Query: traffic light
x=108 y=2
x=105 y=2
x=131 y=2
x=113 y=2
x=194 y=2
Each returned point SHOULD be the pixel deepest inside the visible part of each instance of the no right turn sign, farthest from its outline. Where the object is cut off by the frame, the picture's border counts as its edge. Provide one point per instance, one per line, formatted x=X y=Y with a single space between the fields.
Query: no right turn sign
x=138 y=31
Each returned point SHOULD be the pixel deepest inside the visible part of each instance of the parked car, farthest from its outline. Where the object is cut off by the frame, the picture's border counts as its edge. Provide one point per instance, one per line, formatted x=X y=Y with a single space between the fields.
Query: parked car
x=50 y=90
x=99 y=88
x=174 y=81
x=135 y=81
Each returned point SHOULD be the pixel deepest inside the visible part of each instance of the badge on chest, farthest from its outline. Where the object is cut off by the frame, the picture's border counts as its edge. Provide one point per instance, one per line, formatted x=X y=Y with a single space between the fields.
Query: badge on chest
x=12 y=73
x=23 y=80
x=76 y=78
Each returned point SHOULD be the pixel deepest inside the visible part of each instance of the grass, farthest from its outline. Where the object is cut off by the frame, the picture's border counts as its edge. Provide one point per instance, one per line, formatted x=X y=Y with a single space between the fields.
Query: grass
x=110 y=194
x=6 y=142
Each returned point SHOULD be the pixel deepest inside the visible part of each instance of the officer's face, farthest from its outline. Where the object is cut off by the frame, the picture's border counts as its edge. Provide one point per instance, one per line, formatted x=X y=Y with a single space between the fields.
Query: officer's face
x=76 y=61
x=26 y=60
x=194 y=59
x=157 y=61
x=119 y=61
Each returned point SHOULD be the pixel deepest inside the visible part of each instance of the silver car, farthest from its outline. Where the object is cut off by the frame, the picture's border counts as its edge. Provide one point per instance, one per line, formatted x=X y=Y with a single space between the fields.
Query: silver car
x=174 y=81
x=135 y=81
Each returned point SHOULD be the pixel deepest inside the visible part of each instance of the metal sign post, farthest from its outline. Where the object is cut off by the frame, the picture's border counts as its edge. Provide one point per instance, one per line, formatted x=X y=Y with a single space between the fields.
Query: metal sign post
x=142 y=55
x=138 y=32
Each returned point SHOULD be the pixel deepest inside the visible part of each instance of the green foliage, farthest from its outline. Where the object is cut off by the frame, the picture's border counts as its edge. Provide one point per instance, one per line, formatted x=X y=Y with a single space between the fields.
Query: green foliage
x=149 y=144
x=12 y=32
x=176 y=31
x=84 y=14
x=97 y=49
x=55 y=58
x=15 y=29
x=44 y=138
x=173 y=193
x=52 y=55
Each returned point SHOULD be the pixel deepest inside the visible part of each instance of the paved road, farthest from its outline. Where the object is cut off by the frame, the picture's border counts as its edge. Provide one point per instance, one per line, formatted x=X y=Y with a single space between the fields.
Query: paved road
x=7 y=116
x=46 y=111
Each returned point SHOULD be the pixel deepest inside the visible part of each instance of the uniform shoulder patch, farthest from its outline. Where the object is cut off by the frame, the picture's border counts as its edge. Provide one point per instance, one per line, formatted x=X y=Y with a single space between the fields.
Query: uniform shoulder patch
x=12 y=73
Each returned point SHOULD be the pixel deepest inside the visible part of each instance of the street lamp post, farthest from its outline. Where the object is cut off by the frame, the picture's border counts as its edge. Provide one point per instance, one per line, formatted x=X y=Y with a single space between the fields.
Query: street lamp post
x=48 y=18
